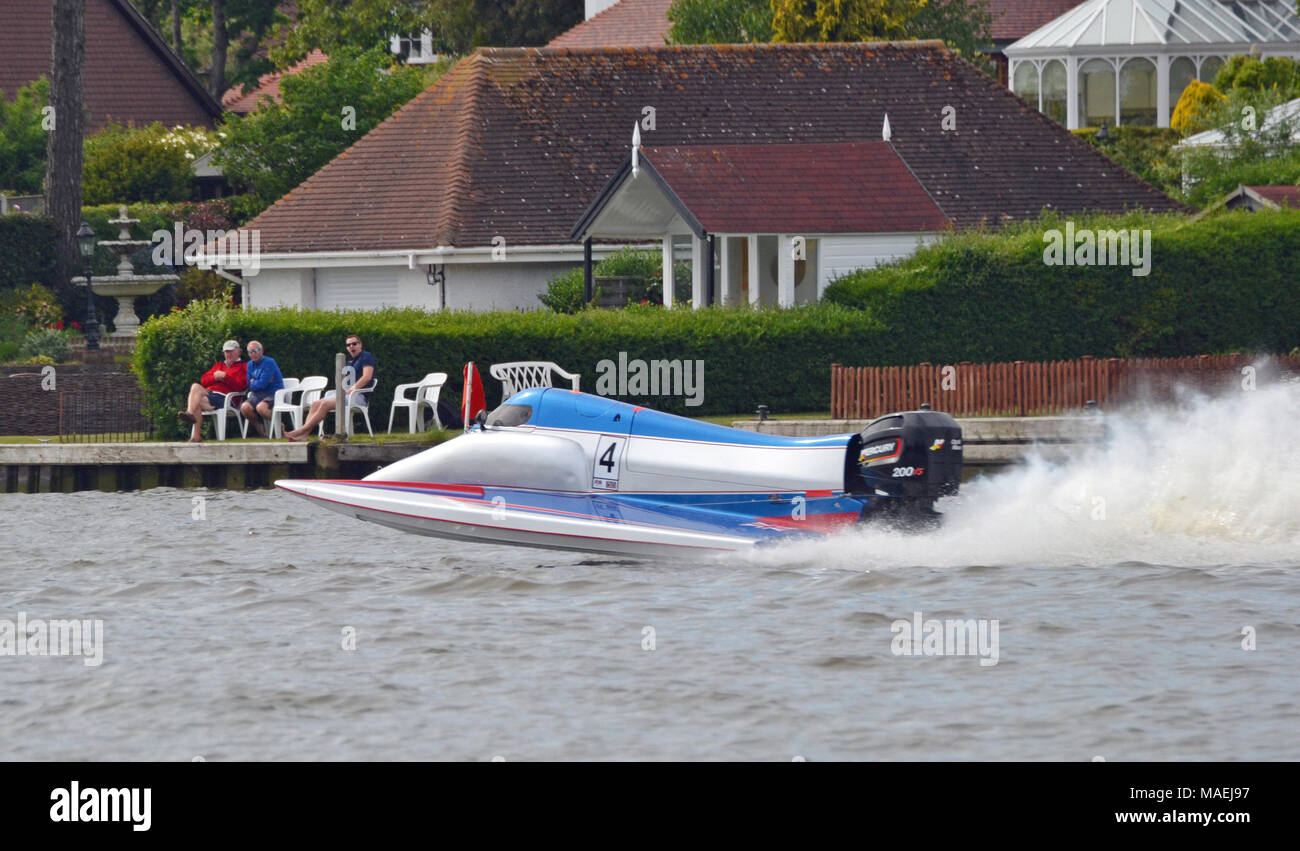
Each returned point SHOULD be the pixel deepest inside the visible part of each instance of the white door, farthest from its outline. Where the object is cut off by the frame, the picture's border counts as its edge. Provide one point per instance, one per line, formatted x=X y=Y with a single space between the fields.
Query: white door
x=358 y=288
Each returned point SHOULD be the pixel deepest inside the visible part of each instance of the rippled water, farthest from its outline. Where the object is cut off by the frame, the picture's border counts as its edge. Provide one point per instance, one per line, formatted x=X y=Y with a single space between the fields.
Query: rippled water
x=1121 y=585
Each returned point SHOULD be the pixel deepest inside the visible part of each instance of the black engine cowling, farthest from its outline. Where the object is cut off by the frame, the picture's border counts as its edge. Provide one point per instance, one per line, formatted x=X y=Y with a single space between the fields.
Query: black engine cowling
x=912 y=456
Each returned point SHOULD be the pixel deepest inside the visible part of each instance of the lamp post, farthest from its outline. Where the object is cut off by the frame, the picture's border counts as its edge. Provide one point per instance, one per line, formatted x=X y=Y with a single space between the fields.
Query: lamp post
x=86 y=245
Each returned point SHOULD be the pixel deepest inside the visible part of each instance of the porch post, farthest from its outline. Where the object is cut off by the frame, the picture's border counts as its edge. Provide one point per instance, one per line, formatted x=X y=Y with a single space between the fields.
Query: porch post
x=751 y=246
x=586 y=269
x=697 y=272
x=668 y=270
x=728 y=283
x=785 y=271
x=711 y=290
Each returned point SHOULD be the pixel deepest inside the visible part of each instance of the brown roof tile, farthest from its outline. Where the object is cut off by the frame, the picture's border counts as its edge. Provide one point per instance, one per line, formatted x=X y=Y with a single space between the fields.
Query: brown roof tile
x=1283 y=196
x=831 y=187
x=517 y=142
x=131 y=75
x=628 y=23
x=268 y=86
x=1015 y=19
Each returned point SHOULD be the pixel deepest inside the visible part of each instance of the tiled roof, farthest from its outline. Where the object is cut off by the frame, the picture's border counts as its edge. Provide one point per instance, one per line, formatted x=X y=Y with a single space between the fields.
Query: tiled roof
x=1283 y=196
x=517 y=142
x=628 y=23
x=268 y=86
x=834 y=187
x=1013 y=19
x=131 y=74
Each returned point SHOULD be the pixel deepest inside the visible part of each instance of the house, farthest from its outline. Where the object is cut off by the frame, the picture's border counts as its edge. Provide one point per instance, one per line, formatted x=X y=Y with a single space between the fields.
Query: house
x=1256 y=199
x=468 y=196
x=783 y=219
x=131 y=74
x=1123 y=62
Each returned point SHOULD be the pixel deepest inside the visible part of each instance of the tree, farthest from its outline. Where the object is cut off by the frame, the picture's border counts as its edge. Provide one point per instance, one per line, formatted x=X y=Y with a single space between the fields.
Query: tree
x=457 y=26
x=22 y=139
x=63 y=146
x=1274 y=73
x=720 y=21
x=842 y=20
x=964 y=25
x=325 y=109
x=1195 y=110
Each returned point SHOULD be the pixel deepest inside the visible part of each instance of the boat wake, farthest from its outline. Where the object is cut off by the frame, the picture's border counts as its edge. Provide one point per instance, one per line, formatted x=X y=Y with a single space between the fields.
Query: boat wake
x=1205 y=481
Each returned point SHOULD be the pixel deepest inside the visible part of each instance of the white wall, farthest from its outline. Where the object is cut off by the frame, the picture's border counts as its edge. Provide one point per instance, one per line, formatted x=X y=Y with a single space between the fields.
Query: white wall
x=469 y=286
x=840 y=255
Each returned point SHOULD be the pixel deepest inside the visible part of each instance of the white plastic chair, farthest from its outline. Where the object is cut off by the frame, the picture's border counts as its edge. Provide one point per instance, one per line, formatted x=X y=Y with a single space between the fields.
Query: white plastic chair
x=426 y=392
x=310 y=389
x=358 y=401
x=281 y=404
x=231 y=406
x=521 y=375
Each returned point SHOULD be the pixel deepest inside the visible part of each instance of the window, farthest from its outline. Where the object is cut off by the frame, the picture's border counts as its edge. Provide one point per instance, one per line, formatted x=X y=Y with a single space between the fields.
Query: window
x=1096 y=93
x=1026 y=83
x=1137 y=97
x=1055 y=88
x=1210 y=66
x=1181 y=72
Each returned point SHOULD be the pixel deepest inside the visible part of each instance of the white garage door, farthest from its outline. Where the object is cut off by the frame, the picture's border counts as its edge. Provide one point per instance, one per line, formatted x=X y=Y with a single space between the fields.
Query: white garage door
x=356 y=289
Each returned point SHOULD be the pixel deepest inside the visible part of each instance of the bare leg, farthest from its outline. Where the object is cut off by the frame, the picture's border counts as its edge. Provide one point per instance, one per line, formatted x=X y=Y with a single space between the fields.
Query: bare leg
x=319 y=410
x=195 y=406
x=250 y=414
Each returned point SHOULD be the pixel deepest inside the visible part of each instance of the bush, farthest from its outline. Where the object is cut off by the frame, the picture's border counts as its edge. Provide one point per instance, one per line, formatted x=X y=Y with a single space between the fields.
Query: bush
x=1220 y=284
x=22 y=139
x=1273 y=73
x=27 y=251
x=1256 y=149
x=565 y=292
x=126 y=165
x=1147 y=152
x=47 y=342
x=33 y=307
x=1195 y=108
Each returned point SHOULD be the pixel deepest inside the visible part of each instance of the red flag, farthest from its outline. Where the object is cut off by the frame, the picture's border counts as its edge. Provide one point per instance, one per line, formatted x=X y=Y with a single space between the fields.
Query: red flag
x=472 y=398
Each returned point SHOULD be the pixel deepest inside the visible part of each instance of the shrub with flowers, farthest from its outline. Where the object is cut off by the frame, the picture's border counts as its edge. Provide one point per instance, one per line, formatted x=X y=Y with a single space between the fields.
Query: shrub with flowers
x=125 y=165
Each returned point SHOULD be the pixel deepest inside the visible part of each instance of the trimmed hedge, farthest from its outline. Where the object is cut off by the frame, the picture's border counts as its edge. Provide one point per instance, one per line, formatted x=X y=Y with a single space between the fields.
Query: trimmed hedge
x=1224 y=283
x=27 y=252
x=780 y=358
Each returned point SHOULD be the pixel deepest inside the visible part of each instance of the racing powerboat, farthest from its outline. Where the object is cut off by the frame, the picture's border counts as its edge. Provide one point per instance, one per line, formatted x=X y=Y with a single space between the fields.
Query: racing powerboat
x=567 y=470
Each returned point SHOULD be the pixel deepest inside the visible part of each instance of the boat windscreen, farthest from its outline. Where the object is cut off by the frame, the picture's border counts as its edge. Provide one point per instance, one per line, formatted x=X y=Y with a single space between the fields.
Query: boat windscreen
x=509 y=415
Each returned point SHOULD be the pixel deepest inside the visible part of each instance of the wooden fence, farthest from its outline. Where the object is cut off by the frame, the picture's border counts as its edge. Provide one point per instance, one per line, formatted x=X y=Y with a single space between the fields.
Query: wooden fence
x=1028 y=389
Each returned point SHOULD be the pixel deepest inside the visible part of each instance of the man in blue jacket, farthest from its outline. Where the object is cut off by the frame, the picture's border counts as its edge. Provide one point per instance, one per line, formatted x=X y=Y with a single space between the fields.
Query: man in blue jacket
x=264 y=379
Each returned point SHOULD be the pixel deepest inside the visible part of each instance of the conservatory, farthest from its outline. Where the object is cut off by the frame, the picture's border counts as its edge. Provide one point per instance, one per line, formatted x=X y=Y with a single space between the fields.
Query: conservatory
x=1126 y=62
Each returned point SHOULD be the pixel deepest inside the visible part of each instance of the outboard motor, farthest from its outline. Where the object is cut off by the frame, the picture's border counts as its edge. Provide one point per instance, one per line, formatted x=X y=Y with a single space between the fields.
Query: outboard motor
x=909 y=459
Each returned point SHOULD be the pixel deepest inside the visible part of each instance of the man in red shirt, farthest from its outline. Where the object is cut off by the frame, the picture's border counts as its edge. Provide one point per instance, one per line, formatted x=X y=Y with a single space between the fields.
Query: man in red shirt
x=226 y=376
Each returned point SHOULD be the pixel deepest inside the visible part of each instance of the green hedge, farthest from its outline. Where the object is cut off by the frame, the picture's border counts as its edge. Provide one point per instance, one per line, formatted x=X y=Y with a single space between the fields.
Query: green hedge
x=1224 y=283
x=780 y=358
x=27 y=253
